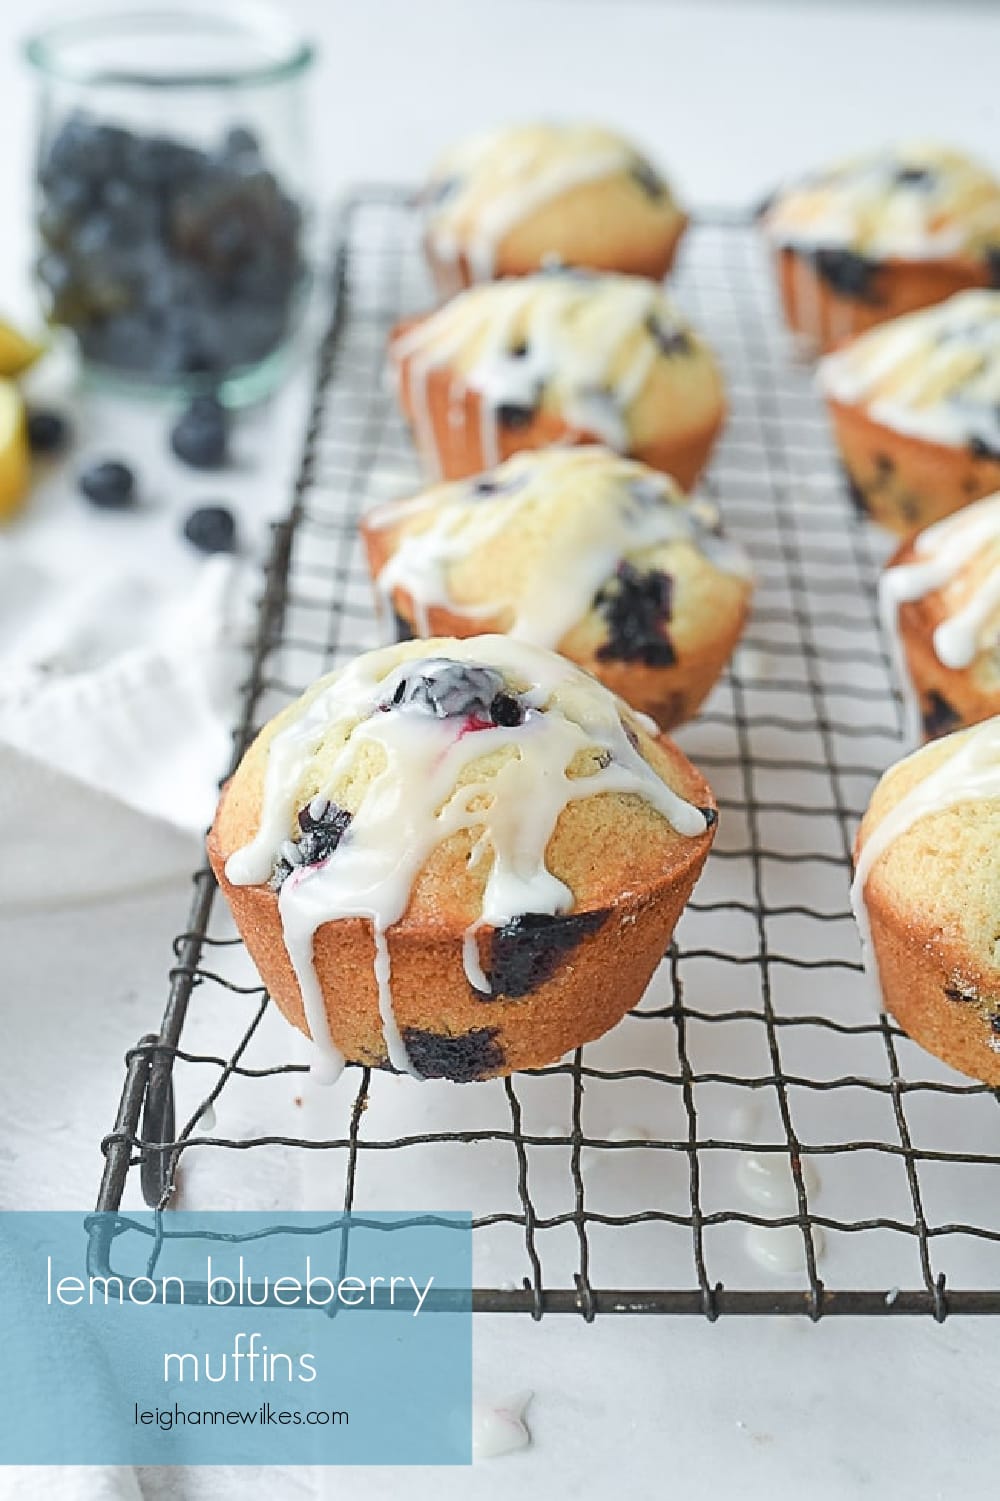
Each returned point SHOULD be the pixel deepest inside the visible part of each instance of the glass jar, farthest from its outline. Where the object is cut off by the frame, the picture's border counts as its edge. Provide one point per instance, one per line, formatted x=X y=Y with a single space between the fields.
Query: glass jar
x=171 y=205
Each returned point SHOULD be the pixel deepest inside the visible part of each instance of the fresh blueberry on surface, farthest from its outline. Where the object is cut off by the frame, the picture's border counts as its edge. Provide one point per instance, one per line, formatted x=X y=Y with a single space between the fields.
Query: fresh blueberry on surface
x=710 y=816
x=981 y=449
x=527 y=951
x=200 y=436
x=456 y=690
x=109 y=485
x=849 y=274
x=637 y=609
x=469 y=1056
x=48 y=432
x=211 y=529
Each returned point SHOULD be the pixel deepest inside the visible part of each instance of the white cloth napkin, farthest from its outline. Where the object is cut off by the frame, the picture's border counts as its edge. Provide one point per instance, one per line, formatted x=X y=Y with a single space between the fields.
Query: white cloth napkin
x=115 y=704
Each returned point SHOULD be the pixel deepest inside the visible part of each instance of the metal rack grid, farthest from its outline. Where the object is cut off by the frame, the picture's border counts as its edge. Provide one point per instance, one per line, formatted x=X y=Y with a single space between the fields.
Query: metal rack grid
x=758 y=1042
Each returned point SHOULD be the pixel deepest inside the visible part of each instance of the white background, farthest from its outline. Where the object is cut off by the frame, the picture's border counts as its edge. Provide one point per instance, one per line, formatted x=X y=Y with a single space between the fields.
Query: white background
x=728 y=96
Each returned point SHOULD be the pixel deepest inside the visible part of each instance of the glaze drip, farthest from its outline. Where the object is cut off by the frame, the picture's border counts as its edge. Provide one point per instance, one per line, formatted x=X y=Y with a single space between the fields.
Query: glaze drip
x=440 y=762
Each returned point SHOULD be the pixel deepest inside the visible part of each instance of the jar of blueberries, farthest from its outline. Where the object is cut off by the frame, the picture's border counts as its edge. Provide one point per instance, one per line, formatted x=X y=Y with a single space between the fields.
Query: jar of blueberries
x=171 y=201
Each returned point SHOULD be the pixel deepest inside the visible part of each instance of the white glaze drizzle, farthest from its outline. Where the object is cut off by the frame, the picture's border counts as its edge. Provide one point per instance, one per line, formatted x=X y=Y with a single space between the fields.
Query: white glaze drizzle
x=934 y=374
x=572 y=327
x=497 y=180
x=780 y=1248
x=619 y=509
x=766 y=1178
x=499 y=1427
x=942 y=551
x=864 y=204
x=969 y=773
x=415 y=802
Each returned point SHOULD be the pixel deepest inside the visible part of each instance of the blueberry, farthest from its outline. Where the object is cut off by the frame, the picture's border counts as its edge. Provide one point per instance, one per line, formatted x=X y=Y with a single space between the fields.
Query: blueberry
x=981 y=449
x=993 y=265
x=200 y=436
x=240 y=141
x=938 y=716
x=710 y=816
x=506 y=710
x=519 y=350
x=637 y=609
x=849 y=274
x=515 y=415
x=323 y=825
x=669 y=341
x=402 y=629
x=211 y=529
x=469 y=1056
x=454 y=690
x=648 y=179
x=527 y=951
x=109 y=485
x=915 y=177
x=47 y=431
x=858 y=498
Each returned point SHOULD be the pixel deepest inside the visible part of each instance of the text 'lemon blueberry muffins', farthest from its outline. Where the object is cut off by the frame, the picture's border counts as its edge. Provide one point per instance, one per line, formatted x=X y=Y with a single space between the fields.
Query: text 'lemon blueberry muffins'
x=561 y=355
x=927 y=896
x=459 y=858
x=915 y=407
x=940 y=599
x=879 y=235
x=579 y=550
x=510 y=201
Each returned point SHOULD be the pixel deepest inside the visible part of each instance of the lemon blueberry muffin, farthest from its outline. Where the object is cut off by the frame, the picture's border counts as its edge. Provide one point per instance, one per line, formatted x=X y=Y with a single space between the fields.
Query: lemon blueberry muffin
x=579 y=550
x=459 y=858
x=940 y=599
x=511 y=201
x=915 y=407
x=927 y=896
x=561 y=355
x=882 y=234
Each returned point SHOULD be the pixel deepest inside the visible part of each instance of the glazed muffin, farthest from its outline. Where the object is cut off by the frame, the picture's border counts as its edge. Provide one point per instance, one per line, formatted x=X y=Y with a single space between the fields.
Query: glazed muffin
x=915 y=408
x=458 y=858
x=880 y=235
x=927 y=896
x=578 y=550
x=940 y=599
x=512 y=201
x=560 y=356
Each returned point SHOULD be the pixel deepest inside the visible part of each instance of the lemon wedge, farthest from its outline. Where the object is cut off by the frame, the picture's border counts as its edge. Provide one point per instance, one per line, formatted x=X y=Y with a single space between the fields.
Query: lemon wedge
x=17 y=353
x=14 y=457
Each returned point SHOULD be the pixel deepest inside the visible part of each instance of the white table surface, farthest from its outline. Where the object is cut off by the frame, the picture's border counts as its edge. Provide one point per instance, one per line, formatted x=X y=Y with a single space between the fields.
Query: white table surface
x=730 y=96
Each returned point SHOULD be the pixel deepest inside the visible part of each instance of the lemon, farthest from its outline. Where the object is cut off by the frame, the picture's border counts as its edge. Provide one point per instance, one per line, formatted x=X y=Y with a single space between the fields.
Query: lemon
x=17 y=353
x=14 y=458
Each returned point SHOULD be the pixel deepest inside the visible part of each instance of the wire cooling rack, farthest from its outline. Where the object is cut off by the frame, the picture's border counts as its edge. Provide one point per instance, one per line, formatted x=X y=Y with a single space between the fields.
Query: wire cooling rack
x=755 y=1137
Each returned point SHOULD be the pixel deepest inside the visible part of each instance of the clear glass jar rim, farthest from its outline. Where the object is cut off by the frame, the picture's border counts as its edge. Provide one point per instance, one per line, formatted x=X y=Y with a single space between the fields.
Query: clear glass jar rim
x=45 y=49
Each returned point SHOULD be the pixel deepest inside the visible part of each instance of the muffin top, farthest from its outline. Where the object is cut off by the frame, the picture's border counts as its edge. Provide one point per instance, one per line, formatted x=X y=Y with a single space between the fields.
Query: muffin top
x=934 y=374
x=552 y=540
x=486 y=187
x=952 y=572
x=575 y=342
x=931 y=840
x=906 y=202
